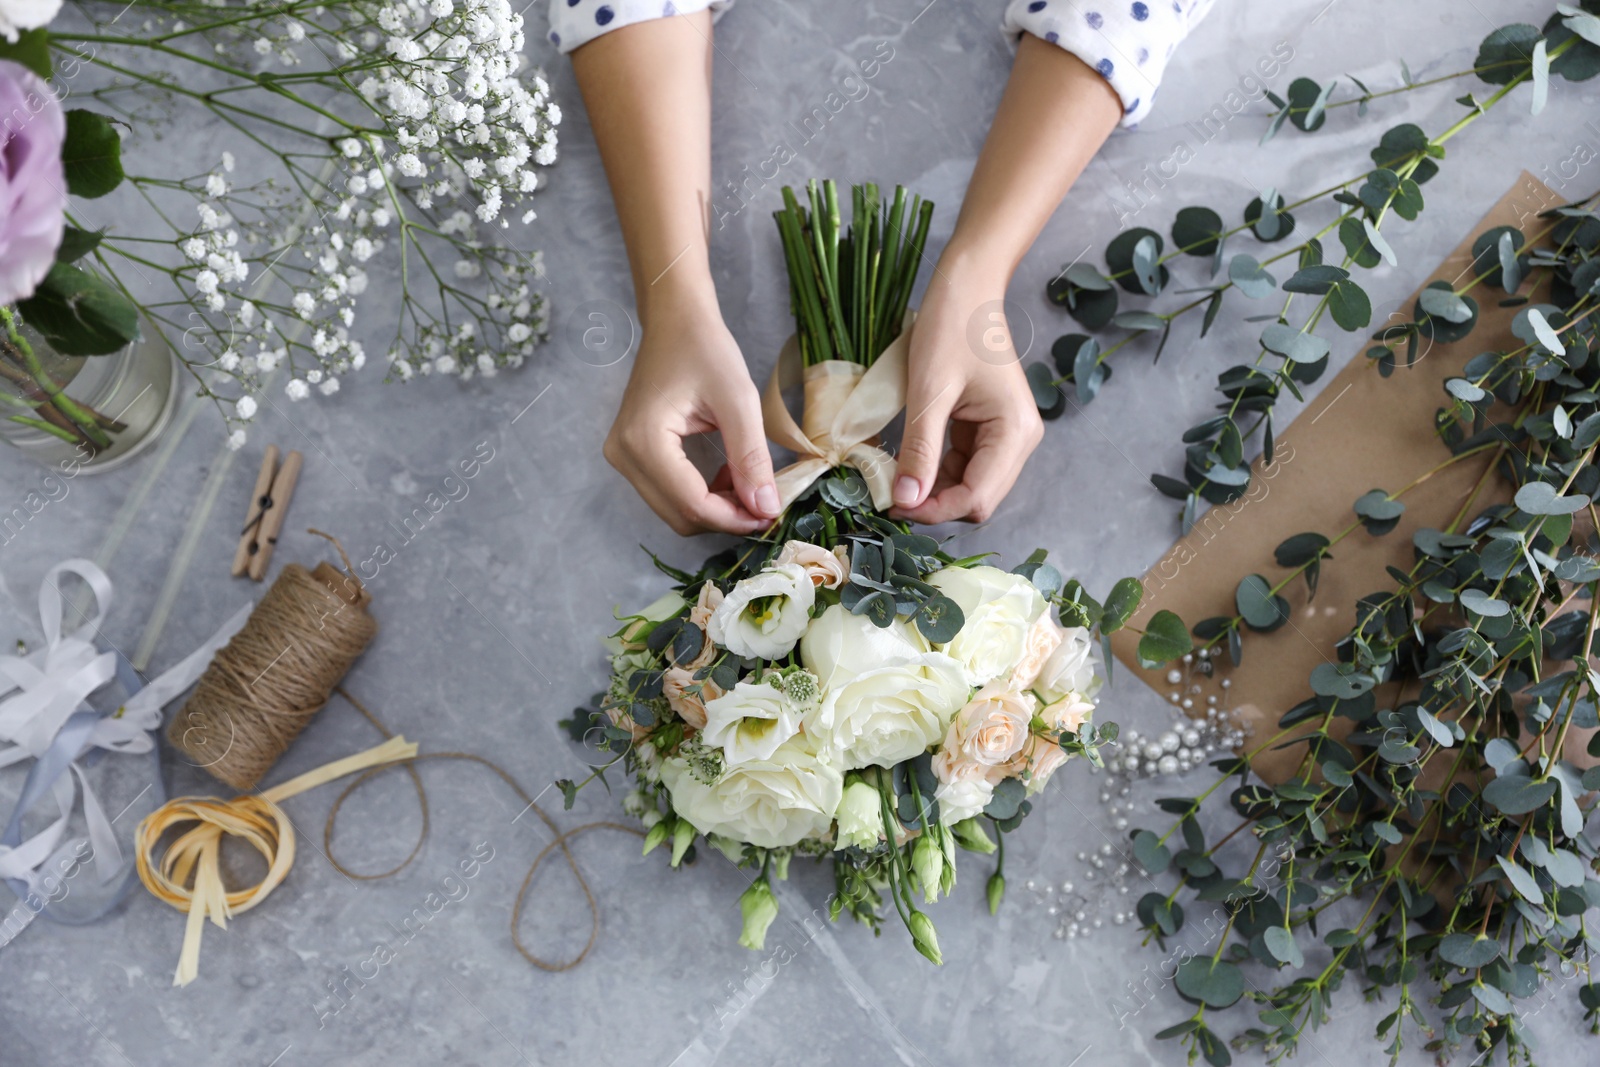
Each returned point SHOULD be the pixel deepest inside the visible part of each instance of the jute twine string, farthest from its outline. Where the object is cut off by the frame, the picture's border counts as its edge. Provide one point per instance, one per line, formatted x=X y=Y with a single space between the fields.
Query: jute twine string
x=268 y=682
x=304 y=635
x=559 y=839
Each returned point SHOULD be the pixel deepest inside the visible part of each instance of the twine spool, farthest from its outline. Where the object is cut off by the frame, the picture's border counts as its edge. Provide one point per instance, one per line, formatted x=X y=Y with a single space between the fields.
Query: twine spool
x=276 y=673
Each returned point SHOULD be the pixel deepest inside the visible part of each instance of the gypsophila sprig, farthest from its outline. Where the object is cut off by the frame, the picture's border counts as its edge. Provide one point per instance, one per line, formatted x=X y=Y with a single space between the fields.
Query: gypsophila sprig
x=354 y=137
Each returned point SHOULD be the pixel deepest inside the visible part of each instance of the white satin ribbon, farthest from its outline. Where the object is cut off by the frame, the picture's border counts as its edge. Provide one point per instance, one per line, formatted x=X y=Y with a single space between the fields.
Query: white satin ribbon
x=41 y=691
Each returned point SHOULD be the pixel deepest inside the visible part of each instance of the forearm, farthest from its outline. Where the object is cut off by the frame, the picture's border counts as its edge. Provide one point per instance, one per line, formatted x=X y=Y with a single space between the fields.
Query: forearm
x=1056 y=113
x=647 y=88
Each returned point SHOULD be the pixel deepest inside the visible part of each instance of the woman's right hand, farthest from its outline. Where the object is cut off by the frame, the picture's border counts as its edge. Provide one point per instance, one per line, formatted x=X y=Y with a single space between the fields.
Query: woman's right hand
x=689 y=378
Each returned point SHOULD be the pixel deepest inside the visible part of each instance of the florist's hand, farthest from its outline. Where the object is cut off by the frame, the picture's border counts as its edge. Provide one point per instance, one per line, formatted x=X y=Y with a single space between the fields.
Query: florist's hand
x=690 y=378
x=964 y=373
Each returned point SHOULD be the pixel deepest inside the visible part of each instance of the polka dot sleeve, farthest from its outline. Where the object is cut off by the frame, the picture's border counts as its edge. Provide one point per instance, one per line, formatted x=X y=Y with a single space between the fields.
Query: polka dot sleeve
x=1127 y=41
x=577 y=22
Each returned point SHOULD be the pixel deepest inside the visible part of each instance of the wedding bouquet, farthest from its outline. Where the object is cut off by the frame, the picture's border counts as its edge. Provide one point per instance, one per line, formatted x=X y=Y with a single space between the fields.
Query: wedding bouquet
x=840 y=686
x=354 y=138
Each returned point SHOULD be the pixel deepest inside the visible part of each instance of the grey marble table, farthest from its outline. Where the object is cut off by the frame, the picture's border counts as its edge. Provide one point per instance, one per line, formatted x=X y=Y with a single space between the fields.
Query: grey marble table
x=490 y=616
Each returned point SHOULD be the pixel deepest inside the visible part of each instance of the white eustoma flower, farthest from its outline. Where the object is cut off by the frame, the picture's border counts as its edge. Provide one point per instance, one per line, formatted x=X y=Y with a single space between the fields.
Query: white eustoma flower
x=999 y=610
x=764 y=615
x=769 y=803
x=750 y=722
x=886 y=696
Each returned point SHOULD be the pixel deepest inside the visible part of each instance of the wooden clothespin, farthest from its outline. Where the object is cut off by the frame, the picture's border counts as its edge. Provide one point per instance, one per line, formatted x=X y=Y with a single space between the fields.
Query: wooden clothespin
x=269 y=504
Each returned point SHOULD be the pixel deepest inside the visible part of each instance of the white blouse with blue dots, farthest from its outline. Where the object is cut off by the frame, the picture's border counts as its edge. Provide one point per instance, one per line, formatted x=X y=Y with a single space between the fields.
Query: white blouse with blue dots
x=1128 y=41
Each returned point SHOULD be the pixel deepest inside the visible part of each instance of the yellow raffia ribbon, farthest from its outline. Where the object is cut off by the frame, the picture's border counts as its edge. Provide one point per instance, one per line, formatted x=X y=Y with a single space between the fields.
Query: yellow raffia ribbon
x=846 y=407
x=254 y=817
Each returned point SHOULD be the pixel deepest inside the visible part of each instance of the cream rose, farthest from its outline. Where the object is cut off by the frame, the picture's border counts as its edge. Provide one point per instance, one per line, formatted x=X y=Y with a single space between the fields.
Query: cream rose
x=885 y=697
x=750 y=722
x=1074 y=667
x=688 y=697
x=1067 y=714
x=770 y=804
x=765 y=614
x=992 y=728
x=827 y=570
x=700 y=613
x=999 y=610
x=965 y=787
x=1041 y=757
x=1044 y=637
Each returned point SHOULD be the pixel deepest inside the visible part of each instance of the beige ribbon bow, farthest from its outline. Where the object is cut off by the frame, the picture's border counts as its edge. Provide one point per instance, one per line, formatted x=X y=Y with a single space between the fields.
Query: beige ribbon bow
x=846 y=406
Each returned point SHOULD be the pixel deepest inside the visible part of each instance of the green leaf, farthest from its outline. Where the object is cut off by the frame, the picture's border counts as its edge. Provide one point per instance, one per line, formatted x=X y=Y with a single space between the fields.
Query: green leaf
x=1047 y=395
x=1540 y=498
x=1445 y=304
x=76 y=243
x=939 y=618
x=1196 y=230
x=1308 y=103
x=31 y=49
x=1214 y=983
x=1316 y=280
x=1515 y=795
x=1259 y=606
x=1350 y=306
x=1504 y=54
x=1121 y=603
x=1281 y=943
x=1165 y=638
x=1484 y=604
x=1342 y=681
x=1088 y=373
x=1128 y=252
x=1545 y=333
x=1521 y=880
x=91 y=155
x=1152 y=855
x=1300 y=549
x=80 y=314
x=1541 y=76
x=1357 y=241
x=1465 y=950
x=1250 y=277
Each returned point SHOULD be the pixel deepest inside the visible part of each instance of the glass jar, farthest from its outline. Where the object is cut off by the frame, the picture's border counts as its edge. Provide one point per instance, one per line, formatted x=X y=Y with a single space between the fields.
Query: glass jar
x=133 y=392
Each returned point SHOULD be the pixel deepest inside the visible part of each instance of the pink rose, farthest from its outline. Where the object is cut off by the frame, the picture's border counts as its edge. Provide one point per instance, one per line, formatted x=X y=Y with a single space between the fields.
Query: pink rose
x=33 y=189
x=688 y=697
x=1041 y=757
x=1068 y=714
x=700 y=614
x=992 y=728
x=827 y=570
x=1043 y=638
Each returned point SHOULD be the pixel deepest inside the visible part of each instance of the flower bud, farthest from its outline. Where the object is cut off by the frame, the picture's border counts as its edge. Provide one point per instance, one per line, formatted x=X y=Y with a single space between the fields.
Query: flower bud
x=759 y=907
x=860 y=816
x=682 y=838
x=996 y=892
x=925 y=938
x=970 y=835
x=927 y=860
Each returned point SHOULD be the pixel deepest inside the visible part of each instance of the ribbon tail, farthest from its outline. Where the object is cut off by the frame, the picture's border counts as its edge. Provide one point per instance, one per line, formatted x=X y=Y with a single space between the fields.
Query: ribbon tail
x=107 y=853
x=877 y=468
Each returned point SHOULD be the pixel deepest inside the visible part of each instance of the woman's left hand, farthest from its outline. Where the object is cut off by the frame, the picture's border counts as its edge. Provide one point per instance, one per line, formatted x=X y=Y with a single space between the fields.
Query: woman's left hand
x=963 y=375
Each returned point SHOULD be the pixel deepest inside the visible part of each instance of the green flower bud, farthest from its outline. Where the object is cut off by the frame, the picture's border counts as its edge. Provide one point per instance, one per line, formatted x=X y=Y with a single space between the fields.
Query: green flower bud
x=996 y=892
x=759 y=907
x=860 y=817
x=927 y=860
x=925 y=938
x=970 y=835
x=658 y=833
x=682 y=838
x=780 y=862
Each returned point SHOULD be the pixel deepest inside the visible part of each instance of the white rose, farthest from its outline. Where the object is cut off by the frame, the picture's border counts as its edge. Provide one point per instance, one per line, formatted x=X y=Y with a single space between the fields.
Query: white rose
x=1068 y=714
x=828 y=570
x=884 y=699
x=770 y=804
x=18 y=15
x=1074 y=667
x=1000 y=609
x=965 y=787
x=765 y=614
x=750 y=722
